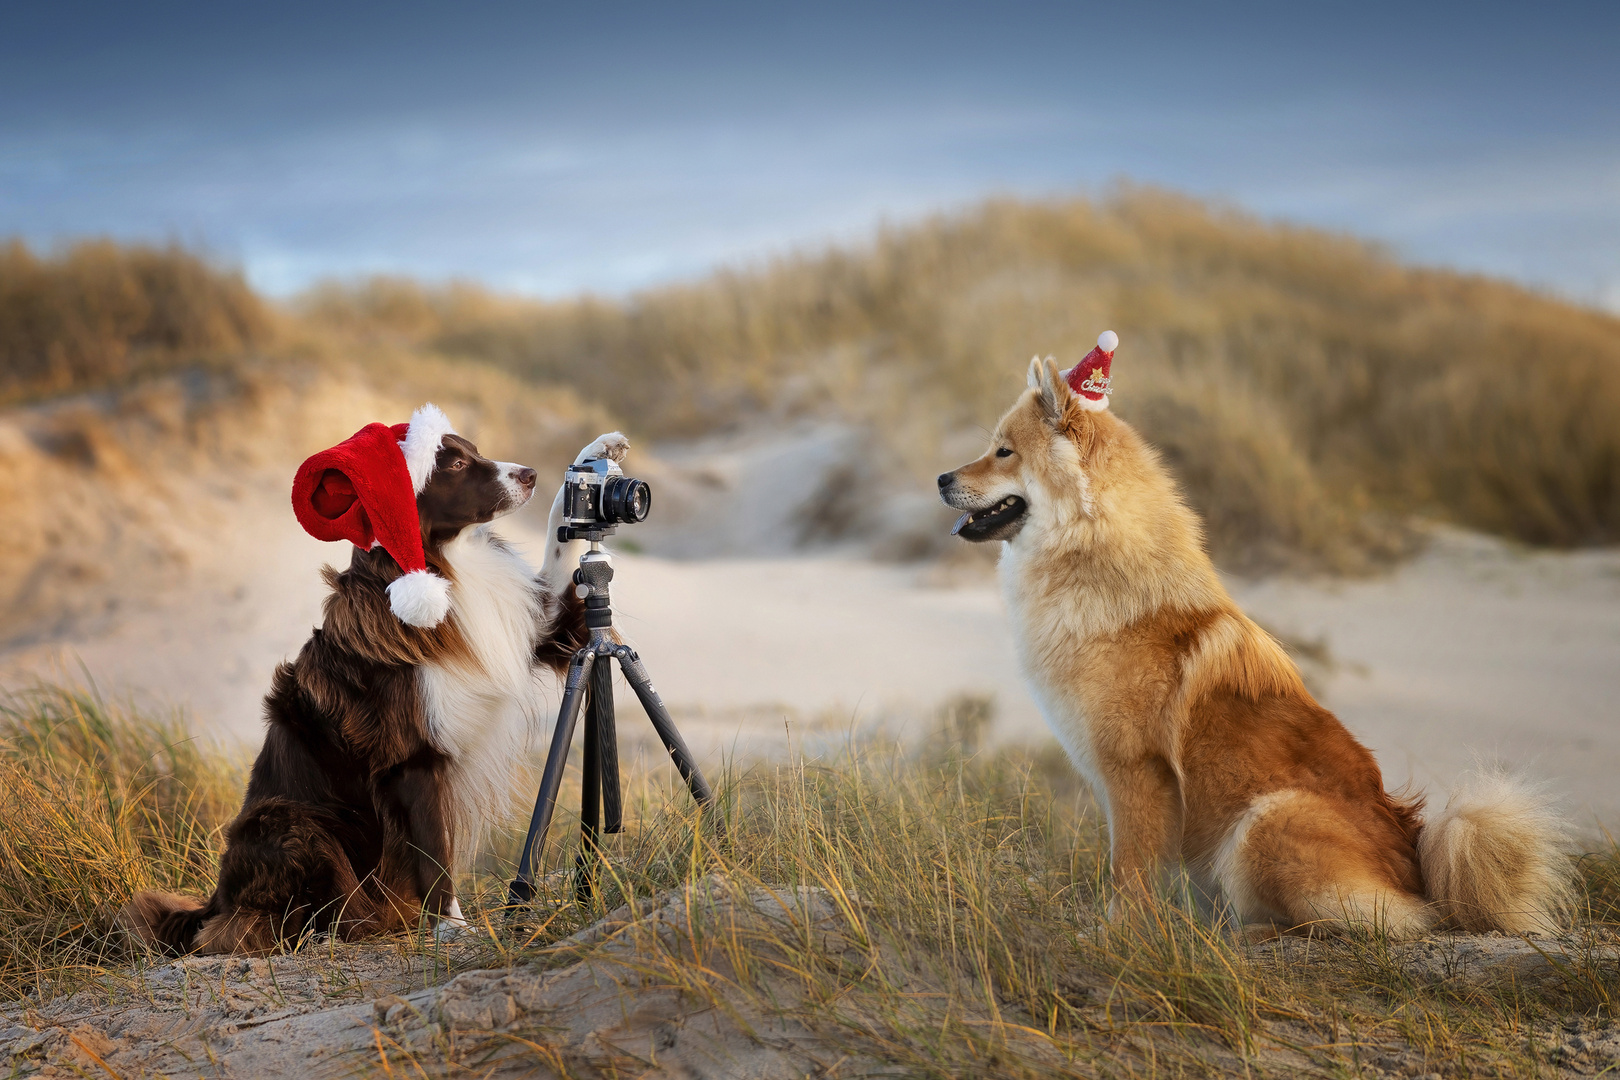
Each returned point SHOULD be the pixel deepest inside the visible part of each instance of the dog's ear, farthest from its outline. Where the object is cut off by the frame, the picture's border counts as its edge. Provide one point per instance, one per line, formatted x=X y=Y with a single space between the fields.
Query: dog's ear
x=1051 y=389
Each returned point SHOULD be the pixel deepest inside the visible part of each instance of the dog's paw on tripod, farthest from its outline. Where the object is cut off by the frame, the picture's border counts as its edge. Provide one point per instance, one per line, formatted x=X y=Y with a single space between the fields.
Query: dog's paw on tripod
x=613 y=446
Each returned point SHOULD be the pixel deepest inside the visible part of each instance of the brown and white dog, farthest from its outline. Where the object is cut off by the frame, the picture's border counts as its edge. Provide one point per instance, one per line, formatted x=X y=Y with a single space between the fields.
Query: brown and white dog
x=1192 y=725
x=389 y=744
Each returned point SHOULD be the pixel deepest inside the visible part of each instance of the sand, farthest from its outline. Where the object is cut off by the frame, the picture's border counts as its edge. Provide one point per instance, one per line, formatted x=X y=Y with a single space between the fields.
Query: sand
x=655 y=990
x=1474 y=648
x=598 y=1007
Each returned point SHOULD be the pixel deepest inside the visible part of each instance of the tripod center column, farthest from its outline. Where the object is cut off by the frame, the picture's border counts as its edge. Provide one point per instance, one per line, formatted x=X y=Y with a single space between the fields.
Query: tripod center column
x=591 y=580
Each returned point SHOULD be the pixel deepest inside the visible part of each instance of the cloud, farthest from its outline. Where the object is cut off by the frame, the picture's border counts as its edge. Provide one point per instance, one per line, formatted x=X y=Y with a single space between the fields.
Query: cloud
x=554 y=156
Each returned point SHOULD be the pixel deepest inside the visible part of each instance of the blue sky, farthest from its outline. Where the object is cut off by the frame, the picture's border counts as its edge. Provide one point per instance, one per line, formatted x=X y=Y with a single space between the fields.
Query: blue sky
x=551 y=150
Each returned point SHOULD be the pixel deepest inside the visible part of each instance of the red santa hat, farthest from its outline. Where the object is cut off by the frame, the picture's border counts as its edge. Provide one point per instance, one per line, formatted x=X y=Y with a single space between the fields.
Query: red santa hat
x=364 y=490
x=1089 y=378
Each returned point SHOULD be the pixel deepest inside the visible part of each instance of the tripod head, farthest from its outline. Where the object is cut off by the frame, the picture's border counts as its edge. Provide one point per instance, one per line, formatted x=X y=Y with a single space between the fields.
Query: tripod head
x=594 y=533
x=591 y=582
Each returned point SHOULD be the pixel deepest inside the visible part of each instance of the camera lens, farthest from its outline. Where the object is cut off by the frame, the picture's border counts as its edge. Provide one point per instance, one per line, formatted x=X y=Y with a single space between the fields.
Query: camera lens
x=625 y=499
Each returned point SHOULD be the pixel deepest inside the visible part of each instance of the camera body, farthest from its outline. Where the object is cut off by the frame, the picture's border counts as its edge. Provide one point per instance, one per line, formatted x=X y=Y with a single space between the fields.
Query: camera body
x=597 y=497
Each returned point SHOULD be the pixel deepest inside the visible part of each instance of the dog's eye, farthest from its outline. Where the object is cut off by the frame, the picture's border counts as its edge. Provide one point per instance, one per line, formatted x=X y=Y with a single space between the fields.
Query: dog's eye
x=459 y=463
x=1003 y=451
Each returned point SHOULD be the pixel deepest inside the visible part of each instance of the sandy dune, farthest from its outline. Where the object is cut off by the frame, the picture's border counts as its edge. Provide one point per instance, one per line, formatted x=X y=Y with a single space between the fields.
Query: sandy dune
x=1472 y=648
x=636 y=994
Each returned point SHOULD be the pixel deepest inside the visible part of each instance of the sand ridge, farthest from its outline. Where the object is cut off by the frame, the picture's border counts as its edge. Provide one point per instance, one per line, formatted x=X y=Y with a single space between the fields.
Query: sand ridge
x=655 y=989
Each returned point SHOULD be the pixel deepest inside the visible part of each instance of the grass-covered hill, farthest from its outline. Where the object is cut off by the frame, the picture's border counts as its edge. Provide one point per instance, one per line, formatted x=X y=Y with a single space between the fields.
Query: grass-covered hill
x=149 y=398
x=1308 y=388
x=1311 y=391
x=98 y=313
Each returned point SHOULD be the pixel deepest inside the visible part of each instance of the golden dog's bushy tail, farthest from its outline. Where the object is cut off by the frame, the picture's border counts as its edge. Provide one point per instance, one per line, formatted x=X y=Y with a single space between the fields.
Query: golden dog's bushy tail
x=1496 y=858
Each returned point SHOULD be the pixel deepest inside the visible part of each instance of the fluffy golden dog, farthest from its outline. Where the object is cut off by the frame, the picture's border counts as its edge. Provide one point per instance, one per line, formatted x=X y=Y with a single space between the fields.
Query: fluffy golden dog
x=1190 y=722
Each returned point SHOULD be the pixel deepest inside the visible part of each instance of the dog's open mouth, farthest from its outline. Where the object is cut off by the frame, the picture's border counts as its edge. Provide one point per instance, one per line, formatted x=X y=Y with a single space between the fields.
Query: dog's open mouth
x=993 y=522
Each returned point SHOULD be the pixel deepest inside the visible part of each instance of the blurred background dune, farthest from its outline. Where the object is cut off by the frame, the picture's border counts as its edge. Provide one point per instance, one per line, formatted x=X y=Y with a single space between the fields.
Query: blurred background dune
x=1311 y=392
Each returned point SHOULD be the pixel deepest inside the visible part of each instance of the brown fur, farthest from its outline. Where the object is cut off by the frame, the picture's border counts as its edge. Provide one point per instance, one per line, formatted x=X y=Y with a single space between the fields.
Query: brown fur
x=557 y=650
x=1191 y=723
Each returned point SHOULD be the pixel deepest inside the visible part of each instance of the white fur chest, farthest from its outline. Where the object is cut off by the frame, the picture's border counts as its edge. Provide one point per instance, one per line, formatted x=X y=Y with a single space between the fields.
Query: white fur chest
x=1048 y=630
x=481 y=710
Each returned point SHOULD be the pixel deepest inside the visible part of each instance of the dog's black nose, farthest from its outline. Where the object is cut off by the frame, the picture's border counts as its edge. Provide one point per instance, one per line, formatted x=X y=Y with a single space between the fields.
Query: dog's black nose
x=526 y=477
x=945 y=479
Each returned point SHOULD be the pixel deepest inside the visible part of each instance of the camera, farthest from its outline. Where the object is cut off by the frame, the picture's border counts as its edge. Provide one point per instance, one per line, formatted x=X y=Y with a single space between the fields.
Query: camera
x=598 y=496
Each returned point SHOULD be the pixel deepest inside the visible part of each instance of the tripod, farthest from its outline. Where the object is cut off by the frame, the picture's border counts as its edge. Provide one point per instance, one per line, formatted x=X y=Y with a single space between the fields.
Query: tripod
x=601 y=806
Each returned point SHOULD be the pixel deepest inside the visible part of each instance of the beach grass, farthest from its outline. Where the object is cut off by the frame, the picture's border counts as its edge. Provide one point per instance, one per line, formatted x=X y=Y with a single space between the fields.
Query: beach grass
x=98 y=312
x=969 y=889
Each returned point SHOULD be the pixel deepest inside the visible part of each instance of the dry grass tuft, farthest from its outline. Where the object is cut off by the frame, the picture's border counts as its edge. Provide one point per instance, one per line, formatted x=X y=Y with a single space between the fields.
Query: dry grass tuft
x=1600 y=876
x=967 y=890
x=96 y=802
x=971 y=889
x=99 y=313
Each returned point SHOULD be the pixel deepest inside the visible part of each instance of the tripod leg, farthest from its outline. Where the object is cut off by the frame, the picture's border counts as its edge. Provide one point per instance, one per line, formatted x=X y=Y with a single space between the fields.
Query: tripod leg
x=607 y=747
x=590 y=803
x=636 y=674
x=602 y=778
x=545 y=801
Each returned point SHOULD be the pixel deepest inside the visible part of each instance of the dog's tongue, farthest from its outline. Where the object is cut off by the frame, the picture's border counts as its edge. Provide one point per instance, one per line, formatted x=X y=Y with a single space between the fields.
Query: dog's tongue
x=961 y=521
